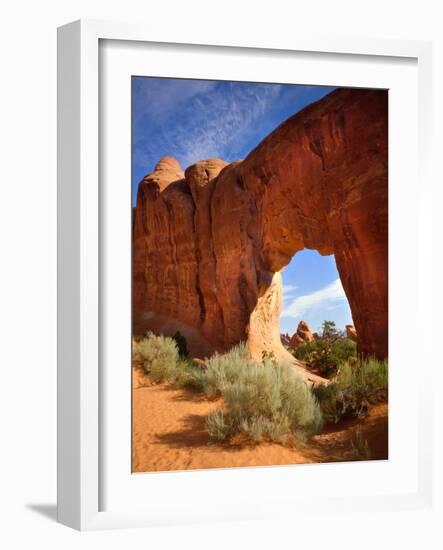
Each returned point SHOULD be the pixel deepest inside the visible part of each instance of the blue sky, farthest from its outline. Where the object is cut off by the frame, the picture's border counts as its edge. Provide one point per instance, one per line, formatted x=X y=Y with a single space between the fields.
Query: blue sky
x=312 y=291
x=193 y=120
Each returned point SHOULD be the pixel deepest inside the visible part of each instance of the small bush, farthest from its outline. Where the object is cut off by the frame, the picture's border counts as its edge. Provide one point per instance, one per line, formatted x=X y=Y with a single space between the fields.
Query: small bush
x=356 y=386
x=260 y=400
x=219 y=426
x=159 y=356
x=186 y=375
x=325 y=355
x=222 y=370
x=255 y=427
x=258 y=427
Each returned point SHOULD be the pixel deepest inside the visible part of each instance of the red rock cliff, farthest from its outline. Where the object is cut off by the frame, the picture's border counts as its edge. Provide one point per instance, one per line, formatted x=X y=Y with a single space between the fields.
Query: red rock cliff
x=208 y=242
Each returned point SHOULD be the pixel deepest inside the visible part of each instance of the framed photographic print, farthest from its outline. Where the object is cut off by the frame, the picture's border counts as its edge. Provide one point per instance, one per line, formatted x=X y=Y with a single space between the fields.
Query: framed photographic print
x=239 y=276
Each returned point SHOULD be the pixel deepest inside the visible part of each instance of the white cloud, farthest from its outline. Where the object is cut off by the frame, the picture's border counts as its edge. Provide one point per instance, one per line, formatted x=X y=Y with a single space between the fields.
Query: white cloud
x=198 y=120
x=217 y=119
x=328 y=297
x=288 y=293
x=160 y=97
x=289 y=289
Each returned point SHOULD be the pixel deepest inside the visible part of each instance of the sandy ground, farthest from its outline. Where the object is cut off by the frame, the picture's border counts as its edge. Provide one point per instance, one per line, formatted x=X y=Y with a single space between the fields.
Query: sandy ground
x=169 y=433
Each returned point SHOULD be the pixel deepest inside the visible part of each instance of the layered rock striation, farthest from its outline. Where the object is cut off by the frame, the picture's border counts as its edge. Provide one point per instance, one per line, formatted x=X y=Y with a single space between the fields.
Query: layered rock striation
x=209 y=242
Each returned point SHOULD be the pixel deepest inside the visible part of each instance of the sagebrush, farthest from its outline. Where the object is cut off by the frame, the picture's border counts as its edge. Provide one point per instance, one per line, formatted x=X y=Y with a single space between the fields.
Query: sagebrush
x=158 y=355
x=161 y=360
x=265 y=400
x=261 y=400
x=356 y=386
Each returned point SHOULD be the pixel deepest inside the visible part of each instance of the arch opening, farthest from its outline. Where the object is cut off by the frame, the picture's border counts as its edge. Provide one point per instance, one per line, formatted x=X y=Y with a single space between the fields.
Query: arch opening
x=294 y=304
x=313 y=293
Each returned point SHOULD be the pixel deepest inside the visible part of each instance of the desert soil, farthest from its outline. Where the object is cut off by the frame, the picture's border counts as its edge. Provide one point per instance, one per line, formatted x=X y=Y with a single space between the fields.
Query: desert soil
x=169 y=433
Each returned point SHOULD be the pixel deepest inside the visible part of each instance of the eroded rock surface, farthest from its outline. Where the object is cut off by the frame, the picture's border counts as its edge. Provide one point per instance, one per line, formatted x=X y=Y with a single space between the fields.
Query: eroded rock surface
x=208 y=243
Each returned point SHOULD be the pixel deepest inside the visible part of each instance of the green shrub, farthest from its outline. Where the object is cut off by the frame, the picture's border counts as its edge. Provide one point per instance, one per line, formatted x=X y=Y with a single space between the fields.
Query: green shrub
x=222 y=370
x=219 y=426
x=329 y=331
x=356 y=386
x=159 y=356
x=260 y=400
x=258 y=427
x=255 y=427
x=368 y=375
x=186 y=375
x=325 y=355
x=161 y=359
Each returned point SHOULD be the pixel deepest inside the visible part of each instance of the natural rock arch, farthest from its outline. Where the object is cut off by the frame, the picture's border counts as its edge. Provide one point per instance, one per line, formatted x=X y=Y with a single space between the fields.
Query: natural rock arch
x=209 y=244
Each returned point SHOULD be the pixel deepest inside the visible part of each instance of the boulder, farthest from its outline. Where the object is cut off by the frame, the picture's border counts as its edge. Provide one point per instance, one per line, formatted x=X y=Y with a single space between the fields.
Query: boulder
x=302 y=335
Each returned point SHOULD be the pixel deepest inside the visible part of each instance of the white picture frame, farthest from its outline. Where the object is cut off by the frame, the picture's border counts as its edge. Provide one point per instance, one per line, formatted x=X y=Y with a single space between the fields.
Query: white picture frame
x=80 y=413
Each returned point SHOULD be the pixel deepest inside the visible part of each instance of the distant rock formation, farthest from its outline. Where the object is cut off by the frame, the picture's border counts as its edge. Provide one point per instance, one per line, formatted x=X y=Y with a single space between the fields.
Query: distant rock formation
x=301 y=336
x=209 y=243
x=351 y=332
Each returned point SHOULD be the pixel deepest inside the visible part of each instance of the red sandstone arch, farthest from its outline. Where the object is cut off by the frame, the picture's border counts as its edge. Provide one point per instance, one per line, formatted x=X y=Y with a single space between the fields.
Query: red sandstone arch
x=208 y=242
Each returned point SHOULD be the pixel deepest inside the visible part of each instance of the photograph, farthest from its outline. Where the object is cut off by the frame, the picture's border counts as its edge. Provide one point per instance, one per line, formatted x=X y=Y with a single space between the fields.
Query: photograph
x=259 y=274
x=229 y=246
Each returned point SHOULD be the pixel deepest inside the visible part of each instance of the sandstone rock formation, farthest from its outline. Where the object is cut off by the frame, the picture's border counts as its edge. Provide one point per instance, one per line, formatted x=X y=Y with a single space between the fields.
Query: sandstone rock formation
x=209 y=244
x=351 y=332
x=302 y=335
